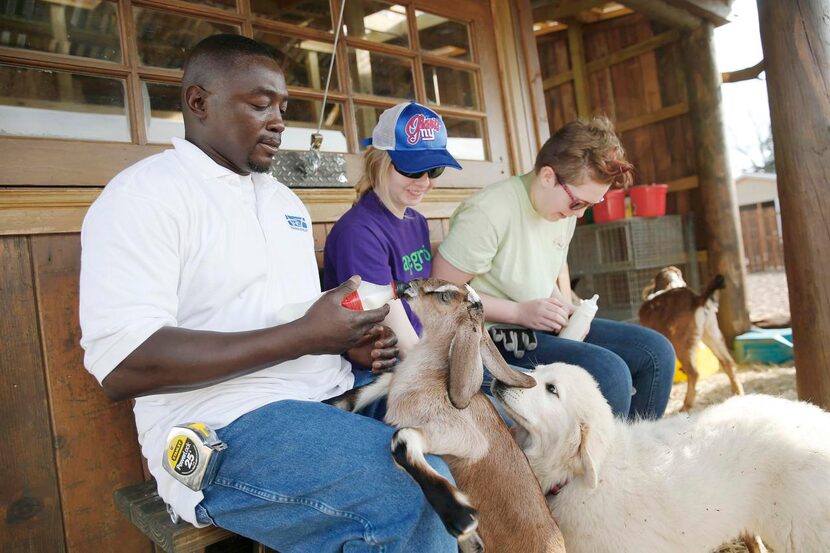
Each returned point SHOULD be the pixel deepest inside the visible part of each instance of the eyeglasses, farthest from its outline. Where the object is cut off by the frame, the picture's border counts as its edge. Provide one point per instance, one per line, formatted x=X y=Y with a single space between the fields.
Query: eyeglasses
x=433 y=173
x=576 y=203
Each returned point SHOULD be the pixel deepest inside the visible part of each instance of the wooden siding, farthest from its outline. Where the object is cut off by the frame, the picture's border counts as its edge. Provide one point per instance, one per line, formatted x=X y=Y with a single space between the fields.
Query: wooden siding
x=635 y=77
x=68 y=446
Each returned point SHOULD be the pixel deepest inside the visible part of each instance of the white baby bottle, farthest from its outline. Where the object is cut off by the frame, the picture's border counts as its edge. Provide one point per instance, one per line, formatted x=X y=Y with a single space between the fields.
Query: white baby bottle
x=580 y=321
x=367 y=296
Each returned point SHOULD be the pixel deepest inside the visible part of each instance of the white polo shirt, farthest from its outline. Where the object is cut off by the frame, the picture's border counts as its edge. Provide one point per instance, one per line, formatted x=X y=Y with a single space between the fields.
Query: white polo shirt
x=178 y=240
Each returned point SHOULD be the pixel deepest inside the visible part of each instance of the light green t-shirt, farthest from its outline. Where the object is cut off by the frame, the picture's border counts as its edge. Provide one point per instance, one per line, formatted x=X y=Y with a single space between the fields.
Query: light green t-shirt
x=500 y=238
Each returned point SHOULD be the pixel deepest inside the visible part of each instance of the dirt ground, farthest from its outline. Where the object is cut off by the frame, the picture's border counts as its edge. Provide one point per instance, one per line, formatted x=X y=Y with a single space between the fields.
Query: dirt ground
x=767 y=298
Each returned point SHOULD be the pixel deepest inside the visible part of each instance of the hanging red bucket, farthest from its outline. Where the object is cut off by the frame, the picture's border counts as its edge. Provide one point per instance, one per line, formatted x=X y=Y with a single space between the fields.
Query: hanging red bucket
x=649 y=200
x=612 y=209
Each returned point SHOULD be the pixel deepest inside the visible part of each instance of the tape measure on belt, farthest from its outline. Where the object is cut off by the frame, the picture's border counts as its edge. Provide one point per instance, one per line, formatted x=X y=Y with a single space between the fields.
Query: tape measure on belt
x=192 y=455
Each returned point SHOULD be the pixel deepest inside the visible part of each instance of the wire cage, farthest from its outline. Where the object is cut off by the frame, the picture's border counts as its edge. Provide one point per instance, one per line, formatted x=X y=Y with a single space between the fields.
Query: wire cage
x=636 y=243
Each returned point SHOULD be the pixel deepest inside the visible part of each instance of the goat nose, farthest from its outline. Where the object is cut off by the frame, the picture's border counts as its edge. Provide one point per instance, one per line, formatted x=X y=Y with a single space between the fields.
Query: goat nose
x=405 y=289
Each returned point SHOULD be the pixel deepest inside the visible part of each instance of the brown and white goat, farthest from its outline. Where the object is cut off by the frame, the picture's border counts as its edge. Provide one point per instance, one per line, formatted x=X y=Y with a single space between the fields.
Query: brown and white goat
x=685 y=318
x=435 y=402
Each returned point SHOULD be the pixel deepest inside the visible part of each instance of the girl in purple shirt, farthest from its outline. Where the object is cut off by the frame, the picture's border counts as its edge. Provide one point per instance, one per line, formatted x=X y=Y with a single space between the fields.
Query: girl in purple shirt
x=382 y=238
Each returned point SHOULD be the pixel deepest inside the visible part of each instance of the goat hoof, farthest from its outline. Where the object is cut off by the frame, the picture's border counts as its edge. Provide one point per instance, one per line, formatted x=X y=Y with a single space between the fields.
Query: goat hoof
x=471 y=543
x=461 y=522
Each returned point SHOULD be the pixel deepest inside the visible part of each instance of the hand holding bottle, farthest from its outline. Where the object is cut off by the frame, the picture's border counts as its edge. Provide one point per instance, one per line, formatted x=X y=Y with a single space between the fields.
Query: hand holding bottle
x=332 y=328
x=548 y=314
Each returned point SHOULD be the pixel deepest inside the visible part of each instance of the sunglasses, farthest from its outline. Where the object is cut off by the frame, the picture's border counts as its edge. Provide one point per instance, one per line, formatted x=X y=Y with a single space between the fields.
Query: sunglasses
x=433 y=173
x=577 y=203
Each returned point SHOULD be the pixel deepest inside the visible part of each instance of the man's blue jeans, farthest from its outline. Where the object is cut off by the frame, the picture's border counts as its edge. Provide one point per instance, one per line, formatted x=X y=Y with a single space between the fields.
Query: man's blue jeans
x=306 y=477
x=624 y=359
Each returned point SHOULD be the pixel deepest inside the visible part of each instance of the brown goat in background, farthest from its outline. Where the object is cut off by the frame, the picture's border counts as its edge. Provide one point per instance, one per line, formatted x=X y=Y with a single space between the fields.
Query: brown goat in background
x=685 y=318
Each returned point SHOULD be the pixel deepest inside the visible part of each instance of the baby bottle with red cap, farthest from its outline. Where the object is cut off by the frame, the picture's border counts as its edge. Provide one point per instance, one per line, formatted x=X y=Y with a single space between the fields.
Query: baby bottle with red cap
x=368 y=295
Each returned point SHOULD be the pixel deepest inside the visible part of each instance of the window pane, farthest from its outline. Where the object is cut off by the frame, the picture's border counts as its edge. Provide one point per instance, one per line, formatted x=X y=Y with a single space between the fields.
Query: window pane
x=377 y=21
x=443 y=37
x=165 y=38
x=305 y=62
x=451 y=87
x=382 y=75
x=165 y=109
x=315 y=14
x=466 y=138
x=301 y=120
x=57 y=104
x=366 y=118
x=87 y=28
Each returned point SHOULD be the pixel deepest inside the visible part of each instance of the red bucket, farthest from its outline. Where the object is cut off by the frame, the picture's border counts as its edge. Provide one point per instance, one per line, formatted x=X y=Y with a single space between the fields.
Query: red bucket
x=612 y=208
x=649 y=200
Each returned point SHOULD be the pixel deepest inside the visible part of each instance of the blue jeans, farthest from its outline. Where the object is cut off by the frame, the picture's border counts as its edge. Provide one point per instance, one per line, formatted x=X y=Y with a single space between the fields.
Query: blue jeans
x=623 y=358
x=307 y=477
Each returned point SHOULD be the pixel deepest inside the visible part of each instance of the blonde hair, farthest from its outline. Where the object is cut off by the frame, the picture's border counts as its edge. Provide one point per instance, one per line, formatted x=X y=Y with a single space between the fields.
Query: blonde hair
x=590 y=146
x=376 y=165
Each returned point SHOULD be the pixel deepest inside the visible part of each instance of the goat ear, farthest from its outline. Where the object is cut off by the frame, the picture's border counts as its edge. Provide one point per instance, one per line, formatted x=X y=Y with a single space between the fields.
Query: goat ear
x=584 y=454
x=500 y=370
x=466 y=372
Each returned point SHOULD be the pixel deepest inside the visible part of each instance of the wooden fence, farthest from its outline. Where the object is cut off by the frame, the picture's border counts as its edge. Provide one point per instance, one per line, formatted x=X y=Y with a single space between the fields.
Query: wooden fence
x=763 y=243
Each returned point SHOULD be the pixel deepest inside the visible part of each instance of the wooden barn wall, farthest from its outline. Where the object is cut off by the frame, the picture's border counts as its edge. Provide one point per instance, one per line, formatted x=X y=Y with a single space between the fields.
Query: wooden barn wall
x=642 y=88
x=67 y=447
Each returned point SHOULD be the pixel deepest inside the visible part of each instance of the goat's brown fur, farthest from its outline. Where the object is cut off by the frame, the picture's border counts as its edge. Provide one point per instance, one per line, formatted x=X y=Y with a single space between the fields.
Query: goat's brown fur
x=686 y=318
x=484 y=459
x=434 y=399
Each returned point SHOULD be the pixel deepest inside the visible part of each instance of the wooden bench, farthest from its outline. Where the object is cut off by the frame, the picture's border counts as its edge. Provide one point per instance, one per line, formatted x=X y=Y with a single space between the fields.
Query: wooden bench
x=142 y=505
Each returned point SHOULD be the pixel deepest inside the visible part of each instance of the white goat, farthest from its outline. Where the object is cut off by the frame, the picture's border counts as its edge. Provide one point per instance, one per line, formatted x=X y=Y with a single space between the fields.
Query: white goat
x=434 y=400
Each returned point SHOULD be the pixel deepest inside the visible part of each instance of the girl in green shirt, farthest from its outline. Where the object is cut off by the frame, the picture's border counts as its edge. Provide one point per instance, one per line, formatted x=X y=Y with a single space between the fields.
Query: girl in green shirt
x=510 y=242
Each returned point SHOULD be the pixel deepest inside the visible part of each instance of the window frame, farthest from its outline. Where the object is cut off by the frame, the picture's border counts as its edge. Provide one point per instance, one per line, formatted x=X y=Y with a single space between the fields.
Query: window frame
x=483 y=62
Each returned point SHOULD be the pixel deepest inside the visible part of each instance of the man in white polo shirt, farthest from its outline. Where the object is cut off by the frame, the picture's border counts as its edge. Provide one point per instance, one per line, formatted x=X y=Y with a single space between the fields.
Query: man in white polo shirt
x=187 y=258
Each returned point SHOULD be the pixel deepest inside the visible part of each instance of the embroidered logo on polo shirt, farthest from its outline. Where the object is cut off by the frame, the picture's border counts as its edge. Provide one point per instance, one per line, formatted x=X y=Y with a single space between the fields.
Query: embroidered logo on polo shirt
x=296 y=222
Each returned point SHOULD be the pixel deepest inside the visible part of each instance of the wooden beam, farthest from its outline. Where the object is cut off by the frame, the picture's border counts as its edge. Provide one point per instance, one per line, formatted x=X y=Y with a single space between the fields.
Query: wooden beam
x=686 y=183
x=634 y=50
x=562 y=9
x=22 y=160
x=665 y=13
x=62 y=210
x=514 y=87
x=716 y=11
x=743 y=74
x=669 y=112
x=535 y=87
x=795 y=36
x=558 y=80
x=577 y=50
x=717 y=190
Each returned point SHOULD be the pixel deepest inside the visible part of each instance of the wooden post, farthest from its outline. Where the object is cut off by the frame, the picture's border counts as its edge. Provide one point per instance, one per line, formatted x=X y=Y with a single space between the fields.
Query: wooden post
x=511 y=24
x=577 y=48
x=796 y=40
x=720 y=206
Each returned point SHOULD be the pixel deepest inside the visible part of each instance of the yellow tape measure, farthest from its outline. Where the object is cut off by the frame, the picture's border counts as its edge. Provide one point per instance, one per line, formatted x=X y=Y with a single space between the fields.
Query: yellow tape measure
x=192 y=454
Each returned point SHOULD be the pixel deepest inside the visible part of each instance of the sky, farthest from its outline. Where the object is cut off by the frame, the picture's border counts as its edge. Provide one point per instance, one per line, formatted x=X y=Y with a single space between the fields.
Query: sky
x=745 y=104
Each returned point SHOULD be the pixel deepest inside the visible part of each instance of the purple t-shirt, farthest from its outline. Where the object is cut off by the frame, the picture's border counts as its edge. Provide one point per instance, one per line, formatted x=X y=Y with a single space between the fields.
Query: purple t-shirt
x=370 y=241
